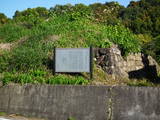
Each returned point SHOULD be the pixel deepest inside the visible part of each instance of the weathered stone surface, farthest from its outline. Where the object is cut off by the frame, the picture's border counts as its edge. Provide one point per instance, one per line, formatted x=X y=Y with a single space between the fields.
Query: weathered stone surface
x=113 y=63
x=103 y=51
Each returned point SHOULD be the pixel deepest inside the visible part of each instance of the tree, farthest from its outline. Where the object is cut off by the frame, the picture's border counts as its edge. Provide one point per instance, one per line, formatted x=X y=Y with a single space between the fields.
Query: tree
x=107 y=13
x=3 y=18
x=153 y=48
x=81 y=11
x=142 y=17
x=61 y=9
x=31 y=17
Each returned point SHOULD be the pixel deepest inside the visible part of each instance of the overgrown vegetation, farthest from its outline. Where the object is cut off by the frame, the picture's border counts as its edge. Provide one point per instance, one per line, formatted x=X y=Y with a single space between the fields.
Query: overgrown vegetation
x=99 y=25
x=11 y=32
x=71 y=118
x=39 y=76
x=2 y=113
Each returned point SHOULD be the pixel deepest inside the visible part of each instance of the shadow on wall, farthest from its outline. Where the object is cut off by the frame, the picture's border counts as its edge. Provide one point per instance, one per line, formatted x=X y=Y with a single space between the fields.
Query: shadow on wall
x=149 y=71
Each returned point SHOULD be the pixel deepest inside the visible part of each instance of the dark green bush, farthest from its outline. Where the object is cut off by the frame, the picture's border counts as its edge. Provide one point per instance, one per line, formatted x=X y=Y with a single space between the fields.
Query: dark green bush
x=153 y=48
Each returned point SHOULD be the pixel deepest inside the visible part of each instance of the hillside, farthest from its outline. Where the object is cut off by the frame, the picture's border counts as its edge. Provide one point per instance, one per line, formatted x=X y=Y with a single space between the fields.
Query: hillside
x=27 y=41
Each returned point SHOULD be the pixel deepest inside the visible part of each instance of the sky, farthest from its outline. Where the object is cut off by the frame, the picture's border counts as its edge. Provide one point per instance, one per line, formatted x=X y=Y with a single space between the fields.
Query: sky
x=8 y=7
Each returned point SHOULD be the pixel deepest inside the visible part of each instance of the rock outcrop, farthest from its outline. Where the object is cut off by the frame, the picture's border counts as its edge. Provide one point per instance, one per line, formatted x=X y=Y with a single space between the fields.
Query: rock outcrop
x=133 y=66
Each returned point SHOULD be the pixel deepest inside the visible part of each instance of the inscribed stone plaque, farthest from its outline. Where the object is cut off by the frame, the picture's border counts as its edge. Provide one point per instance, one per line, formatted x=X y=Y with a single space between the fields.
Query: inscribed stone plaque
x=72 y=60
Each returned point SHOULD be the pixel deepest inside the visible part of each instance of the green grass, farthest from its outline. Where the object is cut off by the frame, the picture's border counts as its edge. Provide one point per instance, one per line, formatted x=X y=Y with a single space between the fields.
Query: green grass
x=71 y=118
x=12 y=32
x=83 y=33
x=42 y=77
x=3 y=114
x=35 y=53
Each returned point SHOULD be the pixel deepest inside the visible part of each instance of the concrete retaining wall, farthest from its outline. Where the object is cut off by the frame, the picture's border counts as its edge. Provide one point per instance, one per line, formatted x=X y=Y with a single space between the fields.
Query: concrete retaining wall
x=81 y=102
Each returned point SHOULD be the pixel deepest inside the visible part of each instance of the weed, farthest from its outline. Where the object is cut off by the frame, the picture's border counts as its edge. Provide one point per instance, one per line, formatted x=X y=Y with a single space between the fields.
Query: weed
x=143 y=82
x=7 y=77
x=41 y=77
x=63 y=79
x=12 y=32
x=3 y=114
x=71 y=118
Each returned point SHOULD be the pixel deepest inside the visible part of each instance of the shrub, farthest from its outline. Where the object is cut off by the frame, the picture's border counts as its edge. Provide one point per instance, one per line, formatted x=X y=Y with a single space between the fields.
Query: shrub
x=153 y=48
x=124 y=38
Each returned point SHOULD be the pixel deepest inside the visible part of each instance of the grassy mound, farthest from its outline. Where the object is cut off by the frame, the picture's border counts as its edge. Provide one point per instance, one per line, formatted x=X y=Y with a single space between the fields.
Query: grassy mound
x=35 y=53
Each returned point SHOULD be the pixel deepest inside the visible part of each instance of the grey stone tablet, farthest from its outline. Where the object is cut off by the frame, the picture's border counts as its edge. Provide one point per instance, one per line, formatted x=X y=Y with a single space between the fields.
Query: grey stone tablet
x=72 y=60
